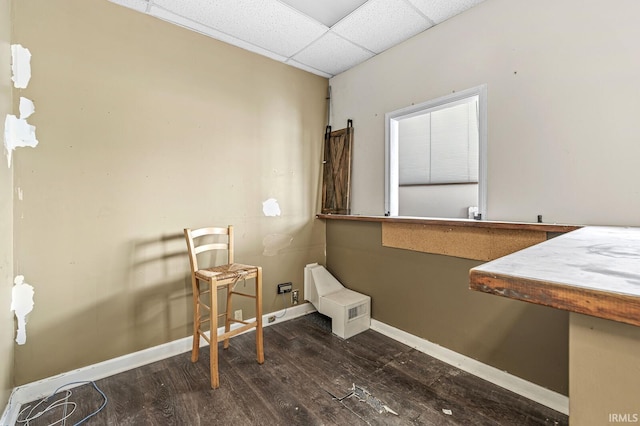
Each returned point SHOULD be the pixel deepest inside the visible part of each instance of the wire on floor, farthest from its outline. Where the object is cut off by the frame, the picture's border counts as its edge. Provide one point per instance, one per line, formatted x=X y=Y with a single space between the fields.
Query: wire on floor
x=284 y=302
x=69 y=407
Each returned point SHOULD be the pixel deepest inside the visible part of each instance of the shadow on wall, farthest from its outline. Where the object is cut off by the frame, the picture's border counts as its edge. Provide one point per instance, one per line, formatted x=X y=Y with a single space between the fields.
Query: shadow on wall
x=160 y=285
x=154 y=305
x=155 y=308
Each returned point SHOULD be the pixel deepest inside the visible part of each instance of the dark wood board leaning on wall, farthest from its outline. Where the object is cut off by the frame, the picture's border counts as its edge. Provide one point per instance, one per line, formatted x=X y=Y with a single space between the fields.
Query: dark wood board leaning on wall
x=336 y=175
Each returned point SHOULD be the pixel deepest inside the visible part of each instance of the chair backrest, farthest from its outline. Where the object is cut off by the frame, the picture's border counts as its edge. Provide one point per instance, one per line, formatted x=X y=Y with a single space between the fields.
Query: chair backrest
x=196 y=246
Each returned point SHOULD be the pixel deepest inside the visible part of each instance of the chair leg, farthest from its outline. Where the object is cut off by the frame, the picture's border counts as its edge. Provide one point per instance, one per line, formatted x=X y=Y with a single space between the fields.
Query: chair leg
x=227 y=322
x=259 y=341
x=213 y=335
x=195 y=348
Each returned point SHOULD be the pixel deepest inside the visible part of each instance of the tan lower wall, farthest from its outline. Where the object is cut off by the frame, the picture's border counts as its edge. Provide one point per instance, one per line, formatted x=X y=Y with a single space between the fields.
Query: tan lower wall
x=146 y=128
x=6 y=214
x=428 y=295
x=604 y=372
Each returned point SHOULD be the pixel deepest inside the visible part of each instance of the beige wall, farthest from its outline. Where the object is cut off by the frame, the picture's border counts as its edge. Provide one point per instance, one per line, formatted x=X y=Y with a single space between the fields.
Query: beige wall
x=6 y=213
x=428 y=296
x=562 y=84
x=146 y=128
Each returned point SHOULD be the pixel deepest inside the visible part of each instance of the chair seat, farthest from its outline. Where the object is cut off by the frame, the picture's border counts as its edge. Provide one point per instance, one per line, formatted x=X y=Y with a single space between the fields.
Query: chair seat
x=225 y=272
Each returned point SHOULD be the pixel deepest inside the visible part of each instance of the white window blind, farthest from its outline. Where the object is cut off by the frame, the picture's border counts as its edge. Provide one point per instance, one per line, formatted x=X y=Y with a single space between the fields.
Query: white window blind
x=440 y=145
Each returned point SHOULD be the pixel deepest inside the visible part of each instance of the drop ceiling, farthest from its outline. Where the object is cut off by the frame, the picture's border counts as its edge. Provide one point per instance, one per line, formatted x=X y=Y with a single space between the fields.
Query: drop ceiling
x=323 y=37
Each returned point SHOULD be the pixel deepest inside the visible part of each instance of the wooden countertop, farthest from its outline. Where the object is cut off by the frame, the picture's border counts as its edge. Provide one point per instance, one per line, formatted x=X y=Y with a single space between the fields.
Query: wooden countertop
x=592 y=270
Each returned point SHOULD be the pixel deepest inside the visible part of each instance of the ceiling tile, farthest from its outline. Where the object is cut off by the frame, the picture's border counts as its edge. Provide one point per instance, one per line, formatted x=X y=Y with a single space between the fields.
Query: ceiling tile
x=300 y=32
x=326 y=11
x=332 y=54
x=380 y=24
x=165 y=15
x=139 y=5
x=268 y=24
x=441 y=10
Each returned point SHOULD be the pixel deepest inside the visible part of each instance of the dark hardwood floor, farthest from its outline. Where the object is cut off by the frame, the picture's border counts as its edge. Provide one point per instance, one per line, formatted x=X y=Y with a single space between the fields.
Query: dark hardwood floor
x=307 y=371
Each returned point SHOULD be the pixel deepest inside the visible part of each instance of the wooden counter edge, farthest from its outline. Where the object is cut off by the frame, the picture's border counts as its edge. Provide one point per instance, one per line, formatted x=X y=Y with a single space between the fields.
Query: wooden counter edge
x=608 y=305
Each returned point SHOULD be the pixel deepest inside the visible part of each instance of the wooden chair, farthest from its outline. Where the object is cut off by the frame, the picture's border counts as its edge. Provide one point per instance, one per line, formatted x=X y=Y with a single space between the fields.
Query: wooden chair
x=220 y=277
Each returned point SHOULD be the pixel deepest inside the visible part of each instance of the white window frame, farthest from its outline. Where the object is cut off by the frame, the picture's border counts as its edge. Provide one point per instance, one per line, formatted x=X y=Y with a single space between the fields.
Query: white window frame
x=391 y=199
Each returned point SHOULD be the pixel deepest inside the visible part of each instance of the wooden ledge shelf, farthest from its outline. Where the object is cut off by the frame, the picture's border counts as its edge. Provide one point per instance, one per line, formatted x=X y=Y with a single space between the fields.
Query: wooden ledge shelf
x=464 y=238
x=466 y=223
x=592 y=270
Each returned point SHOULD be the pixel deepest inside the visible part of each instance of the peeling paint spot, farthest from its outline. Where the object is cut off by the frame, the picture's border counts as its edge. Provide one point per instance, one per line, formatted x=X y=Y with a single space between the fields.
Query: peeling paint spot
x=273 y=243
x=19 y=191
x=18 y=133
x=21 y=305
x=26 y=108
x=271 y=207
x=20 y=66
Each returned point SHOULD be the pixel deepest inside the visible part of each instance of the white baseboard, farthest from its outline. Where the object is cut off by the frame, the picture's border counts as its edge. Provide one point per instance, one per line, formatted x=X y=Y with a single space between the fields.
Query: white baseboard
x=41 y=388
x=45 y=387
x=498 y=377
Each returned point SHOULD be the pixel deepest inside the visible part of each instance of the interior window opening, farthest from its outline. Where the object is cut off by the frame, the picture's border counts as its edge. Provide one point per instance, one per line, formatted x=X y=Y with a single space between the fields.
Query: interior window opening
x=436 y=157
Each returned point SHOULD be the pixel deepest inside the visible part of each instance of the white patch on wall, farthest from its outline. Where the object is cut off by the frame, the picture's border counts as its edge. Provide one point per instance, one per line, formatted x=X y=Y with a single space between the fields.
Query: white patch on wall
x=273 y=243
x=19 y=192
x=271 y=207
x=21 y=305
x=18 y=133
x=20 y=66
x=26 y=108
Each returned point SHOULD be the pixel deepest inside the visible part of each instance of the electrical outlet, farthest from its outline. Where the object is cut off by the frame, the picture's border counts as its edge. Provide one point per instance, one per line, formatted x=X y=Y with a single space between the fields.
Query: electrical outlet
x=294 y=297
x=238 y=315
x=285 y=288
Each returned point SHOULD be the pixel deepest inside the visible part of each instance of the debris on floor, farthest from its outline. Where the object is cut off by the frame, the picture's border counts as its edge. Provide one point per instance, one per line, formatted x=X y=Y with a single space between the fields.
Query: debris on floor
x=364 y=395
